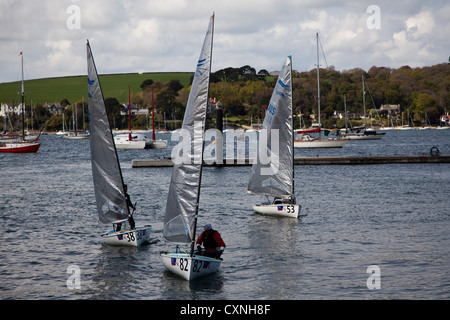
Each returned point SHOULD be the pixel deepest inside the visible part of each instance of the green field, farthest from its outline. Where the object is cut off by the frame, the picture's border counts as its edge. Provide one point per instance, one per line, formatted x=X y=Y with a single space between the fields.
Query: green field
x=75 y=87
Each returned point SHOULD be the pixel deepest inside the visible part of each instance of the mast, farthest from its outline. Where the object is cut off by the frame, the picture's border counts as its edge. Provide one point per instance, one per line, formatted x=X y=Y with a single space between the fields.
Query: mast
x=129 y=115
x=31 y=112
x=84 y=124
x=75 y=129
x=153 y=119
x=318 y=85
x=345 y=114
x=23 y=102
x=203 y=146
x=292 y=128
x=364 y=101
x=73 y=119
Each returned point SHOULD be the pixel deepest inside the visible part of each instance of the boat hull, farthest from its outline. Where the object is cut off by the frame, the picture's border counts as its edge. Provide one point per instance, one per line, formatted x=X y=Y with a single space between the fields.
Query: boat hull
x=20 y=147
x=77 y=137
x=128 y=237
x=363 y=136
x=278 y=210
x=158 y=144
x=187 y=267
x=132 y=145
x=326 y=143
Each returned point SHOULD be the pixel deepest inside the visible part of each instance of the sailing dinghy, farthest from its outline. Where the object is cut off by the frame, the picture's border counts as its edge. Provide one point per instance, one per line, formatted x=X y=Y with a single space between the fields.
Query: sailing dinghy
x=275 y=178
x=184 y=192
x=109 y=187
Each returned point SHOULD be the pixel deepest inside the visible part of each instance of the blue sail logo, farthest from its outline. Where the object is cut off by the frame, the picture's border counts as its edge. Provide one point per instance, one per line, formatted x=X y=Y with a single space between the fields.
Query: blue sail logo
x=90 y=82
x=283 y=85
x=200 y=64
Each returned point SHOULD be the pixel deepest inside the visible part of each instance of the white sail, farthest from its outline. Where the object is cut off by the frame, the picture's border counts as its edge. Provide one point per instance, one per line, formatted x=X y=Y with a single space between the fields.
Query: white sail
x=275 y=177
x=107 y=176
x=184 y=190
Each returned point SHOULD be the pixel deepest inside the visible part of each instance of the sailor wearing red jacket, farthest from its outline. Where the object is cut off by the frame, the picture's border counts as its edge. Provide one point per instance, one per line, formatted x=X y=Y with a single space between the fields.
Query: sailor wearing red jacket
x=212 y=241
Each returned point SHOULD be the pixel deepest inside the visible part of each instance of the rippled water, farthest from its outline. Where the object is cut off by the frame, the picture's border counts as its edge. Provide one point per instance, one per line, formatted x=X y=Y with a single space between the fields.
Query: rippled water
x=396 y=217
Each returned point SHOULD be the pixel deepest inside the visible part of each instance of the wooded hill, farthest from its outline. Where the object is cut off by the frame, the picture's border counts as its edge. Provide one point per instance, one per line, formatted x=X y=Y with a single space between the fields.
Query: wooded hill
x=245 y=94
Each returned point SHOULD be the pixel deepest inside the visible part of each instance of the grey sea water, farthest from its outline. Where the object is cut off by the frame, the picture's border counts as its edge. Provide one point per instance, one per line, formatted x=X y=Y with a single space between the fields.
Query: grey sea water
x=393 y=216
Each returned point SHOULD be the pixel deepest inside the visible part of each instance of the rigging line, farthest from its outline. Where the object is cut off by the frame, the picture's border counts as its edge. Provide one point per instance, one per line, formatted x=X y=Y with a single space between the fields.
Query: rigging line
x=373 y=102
x=323 y=53
x=310 y=65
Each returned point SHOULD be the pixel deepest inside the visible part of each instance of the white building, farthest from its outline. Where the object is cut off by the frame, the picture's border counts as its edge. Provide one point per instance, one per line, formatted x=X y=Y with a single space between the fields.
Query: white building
x=7 y=109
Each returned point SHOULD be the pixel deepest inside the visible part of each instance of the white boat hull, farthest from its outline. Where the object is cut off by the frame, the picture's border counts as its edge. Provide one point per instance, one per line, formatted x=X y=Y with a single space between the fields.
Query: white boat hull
x=325 y=143
x=357 y=136
x=128 y=237
x=278 y=210
x=77 y=137
x=138 y=141
x=132 y=145
x=187 y=267
x=159 y=144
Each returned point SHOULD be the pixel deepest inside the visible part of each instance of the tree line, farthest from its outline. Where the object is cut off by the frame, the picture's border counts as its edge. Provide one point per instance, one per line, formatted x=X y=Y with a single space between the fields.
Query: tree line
x=245 y=94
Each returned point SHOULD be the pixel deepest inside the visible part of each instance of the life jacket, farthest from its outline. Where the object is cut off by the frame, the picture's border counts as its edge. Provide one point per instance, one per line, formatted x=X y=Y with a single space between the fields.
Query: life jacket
x=208 y=241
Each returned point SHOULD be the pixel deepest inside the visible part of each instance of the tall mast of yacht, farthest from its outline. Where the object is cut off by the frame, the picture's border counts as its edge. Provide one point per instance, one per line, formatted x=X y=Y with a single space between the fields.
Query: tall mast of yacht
x=23 y=102
x=318 y=85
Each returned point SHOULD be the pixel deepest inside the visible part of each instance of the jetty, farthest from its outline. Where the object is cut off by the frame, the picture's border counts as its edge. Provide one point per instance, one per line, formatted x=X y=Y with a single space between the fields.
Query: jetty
x=356 y=160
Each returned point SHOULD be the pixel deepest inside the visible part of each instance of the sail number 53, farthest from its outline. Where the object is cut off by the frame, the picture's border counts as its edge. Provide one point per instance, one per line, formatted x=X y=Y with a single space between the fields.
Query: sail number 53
x=290 y=209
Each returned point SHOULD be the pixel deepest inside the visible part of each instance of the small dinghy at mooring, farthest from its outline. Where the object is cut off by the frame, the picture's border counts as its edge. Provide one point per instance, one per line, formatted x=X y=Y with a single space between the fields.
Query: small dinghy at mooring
x=275 y=178
x=180 y=220
x=110 y=190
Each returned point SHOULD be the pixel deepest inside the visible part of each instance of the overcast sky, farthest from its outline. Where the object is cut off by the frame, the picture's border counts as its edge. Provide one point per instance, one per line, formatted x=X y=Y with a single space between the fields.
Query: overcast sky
x=167 y=35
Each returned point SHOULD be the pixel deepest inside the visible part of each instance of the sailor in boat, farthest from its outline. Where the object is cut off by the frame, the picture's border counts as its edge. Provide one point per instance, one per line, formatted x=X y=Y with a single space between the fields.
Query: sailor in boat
x=212 y=241
x=284 y=200
x=130 y=205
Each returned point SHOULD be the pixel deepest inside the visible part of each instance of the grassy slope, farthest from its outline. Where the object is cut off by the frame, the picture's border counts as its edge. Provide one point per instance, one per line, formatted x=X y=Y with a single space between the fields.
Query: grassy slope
x=73 y=88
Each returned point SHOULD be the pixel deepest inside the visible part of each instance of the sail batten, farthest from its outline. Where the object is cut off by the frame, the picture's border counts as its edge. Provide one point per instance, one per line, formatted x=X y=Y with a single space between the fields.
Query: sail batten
x=272 y=172
x=184 y=190
x=107 y=176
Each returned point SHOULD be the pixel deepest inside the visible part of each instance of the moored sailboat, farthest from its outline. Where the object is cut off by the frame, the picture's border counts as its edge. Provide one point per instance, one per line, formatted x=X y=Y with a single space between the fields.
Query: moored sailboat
x=135 y=140
x=156 y=143
x=21 y=145
x=76 y=134
x=130 y=140
x=306 y=141
x=110 y=191
x=361 y=133
x=276 y=178
x=181 y=214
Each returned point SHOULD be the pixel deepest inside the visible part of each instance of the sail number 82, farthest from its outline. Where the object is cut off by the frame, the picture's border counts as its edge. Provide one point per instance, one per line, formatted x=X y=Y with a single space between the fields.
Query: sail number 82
x=184 y=265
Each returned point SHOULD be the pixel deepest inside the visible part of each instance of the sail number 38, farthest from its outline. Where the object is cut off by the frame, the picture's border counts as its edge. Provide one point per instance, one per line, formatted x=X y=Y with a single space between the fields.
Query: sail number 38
x=130 y=236
x=184 y=265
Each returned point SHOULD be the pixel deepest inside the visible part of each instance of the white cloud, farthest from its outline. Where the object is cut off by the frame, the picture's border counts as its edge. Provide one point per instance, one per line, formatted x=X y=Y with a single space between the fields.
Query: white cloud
x=166 y=35
x=421 y=24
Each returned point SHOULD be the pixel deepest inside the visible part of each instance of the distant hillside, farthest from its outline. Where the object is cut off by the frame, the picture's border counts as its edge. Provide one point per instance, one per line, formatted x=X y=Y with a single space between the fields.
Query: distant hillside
x=419 y=94
x=74 y=87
